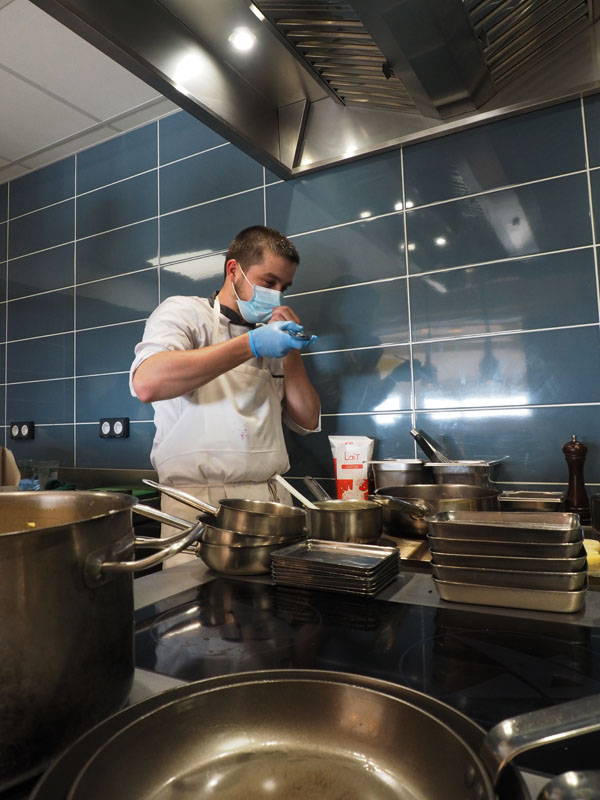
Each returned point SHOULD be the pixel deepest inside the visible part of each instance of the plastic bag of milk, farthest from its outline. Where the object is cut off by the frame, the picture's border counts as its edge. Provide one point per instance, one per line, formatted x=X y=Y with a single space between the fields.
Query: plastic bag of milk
x=351 y=456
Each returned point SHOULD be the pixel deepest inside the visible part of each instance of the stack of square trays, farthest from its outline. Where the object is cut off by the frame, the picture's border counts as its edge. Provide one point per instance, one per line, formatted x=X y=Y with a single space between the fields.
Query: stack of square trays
x=525 y=560
x=336 y=566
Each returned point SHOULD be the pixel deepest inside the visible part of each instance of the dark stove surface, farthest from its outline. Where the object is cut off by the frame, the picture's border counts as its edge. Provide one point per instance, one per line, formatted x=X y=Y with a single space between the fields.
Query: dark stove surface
x=490 y=667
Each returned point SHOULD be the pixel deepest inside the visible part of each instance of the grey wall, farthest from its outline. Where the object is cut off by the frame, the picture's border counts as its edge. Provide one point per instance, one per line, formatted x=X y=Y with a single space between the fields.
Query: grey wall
x=453 y=285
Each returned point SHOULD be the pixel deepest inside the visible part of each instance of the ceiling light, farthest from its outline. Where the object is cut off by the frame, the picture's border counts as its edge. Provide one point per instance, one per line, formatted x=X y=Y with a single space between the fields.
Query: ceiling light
x=242 y=39
x=365 y=214
x=398 y=206
x=257 y=12
x=409 y=204
x=440 y=241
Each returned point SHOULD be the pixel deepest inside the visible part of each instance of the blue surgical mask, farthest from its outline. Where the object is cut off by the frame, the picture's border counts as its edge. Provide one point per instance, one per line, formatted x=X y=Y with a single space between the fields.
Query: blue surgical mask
x=260 y=306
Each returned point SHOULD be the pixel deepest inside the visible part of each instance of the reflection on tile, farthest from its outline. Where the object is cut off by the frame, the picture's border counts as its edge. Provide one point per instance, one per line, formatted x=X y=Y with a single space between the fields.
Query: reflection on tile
x=120 y=204
x=510 y=295
x=117 y=158
x=365 y=188
x=122 y=299
x=42 y=187
x=374 y=379
x=3 y=229
x=541 y=217
x=39 y=272
x=108 y=396
x=358 y=316
x=271 y=177
x=209 y=228
x=532 y=438
x=217 y=173
x=130 y=453
x=45 y=402
x=45 y=313
x=3 y=201
x=107 y=349
x=515 y=150
x=311 y=455
x=119 y=251
x=182 y=135
x=37 y=359
x=591 y=107
x=363 y=251
x=199 y=277
x=595 y=181
x=51 y=442
x=41 y=229
x=555 y=366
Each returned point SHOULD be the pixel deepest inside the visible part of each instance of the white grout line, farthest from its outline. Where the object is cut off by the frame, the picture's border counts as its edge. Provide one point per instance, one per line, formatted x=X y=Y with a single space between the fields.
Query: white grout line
x=192 y=155
x=413 y=388
x=75 y=322
x=591 y=203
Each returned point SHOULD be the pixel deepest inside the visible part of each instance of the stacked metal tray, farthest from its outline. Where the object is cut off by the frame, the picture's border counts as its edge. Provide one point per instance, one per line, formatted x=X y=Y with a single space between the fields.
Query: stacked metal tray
x=360 y=569
x=525 y=560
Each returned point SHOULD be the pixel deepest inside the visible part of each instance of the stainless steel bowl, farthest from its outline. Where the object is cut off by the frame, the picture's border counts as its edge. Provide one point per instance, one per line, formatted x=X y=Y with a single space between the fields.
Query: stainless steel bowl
x=240 y=559
x=471 y=473
x=399 y=472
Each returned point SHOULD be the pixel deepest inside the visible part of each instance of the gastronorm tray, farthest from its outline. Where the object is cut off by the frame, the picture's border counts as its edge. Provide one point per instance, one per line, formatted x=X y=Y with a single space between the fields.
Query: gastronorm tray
x=510 y=597
x=573 y=564
x=531 y=501
x=552 y=581
x=492 y=547
x=359 y=559
x=507 y=526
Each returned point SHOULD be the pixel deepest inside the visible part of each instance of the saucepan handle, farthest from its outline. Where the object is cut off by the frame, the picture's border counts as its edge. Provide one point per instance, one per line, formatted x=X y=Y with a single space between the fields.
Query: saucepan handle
x=578 y=785
x=416 y=510
x=509 y=738
x=183 y=497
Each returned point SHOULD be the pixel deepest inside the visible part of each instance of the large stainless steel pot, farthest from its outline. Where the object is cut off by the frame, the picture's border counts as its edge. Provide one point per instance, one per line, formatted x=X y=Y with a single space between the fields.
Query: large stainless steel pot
x=307 y=733
x=407 y=508
x=66 y=601
x=245 y=516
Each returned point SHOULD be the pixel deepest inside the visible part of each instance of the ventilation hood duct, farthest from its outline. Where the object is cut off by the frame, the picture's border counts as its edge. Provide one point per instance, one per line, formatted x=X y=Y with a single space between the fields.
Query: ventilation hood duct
x=327 y=82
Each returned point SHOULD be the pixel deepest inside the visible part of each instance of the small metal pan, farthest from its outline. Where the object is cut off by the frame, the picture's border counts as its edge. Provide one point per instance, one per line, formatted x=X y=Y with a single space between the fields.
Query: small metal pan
x=507 y=526
x=551 y=581
x=511 y=597
x=511 y=562
x=492 y=547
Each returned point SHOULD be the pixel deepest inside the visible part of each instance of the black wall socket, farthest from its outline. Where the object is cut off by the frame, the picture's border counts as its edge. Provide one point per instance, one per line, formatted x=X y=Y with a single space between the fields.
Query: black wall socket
x=114 y=427
x=22 y=430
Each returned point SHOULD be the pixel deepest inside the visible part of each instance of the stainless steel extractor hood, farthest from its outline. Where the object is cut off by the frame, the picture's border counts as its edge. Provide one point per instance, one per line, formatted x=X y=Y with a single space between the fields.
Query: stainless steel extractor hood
x=327 y=82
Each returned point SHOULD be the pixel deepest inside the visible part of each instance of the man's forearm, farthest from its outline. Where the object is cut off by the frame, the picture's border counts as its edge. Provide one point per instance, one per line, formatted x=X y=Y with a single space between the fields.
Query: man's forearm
x=301 y=400
x=173 y=373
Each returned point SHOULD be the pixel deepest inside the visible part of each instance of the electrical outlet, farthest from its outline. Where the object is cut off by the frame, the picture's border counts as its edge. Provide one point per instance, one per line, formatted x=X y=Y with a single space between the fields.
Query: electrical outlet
x=114 y=428
x=22 y=430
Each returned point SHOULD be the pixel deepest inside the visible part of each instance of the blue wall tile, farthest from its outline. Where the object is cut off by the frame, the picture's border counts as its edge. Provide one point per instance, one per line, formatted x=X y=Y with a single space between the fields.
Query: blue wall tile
x=486 y=158
x=40 y=272
x=555 y=366
x=108 y=396
x=509 y=295
x=42 y=229
x=182 y=135
x=118 y=158
x=363 y=251
x=121 y=299
x=217 y=173
x=592 y=123
x=107 y=349
x=3 y=229
x=52 y=312
x=130 y=453
x=44 y=402
x=341 y=194
x=120 y=204
x=208 y=228
x=199 y=277
x=3 y=201
x=357 y=316
x=36 y=359
x=44 y=186
x=118 y=251
x=540 y=217
x=370 y=379
x=595 y=183
x=51 y=442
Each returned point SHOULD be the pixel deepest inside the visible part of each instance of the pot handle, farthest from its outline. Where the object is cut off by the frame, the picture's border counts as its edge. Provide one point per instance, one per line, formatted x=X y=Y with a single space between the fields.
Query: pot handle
x=513 y=736
x=416 y=510
x=316 y=488
x=183 y=497
x=572 y=786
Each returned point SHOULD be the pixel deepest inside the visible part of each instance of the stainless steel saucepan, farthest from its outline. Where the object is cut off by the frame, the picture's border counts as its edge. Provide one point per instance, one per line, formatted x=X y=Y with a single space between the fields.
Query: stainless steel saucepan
x=407 y=508
x=306 y=733
x=245 y=516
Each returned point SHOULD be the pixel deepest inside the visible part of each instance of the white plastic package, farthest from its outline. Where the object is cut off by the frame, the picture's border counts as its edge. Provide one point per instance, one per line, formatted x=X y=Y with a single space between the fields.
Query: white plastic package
x=351 y=455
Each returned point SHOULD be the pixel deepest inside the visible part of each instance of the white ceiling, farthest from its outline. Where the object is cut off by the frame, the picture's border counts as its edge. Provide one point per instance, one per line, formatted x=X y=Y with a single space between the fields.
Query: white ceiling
x=58 y=94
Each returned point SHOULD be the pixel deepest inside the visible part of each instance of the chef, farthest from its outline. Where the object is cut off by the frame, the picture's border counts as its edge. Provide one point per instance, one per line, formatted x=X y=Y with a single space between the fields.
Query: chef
x=221 y=381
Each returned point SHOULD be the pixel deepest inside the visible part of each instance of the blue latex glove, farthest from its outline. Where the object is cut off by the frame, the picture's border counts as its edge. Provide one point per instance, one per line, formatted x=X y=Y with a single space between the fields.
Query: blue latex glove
x=275 y=340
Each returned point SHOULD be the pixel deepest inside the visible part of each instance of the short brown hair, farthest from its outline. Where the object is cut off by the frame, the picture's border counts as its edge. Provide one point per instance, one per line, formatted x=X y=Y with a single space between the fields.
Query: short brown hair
x=249 y=245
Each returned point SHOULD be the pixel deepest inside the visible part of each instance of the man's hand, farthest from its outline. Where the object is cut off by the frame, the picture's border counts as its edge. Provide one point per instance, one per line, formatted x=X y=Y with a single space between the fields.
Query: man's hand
x=275 y=340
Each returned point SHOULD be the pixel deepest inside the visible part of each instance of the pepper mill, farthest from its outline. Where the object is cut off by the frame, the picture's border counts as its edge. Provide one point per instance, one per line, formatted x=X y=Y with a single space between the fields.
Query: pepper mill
x=576 y=500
